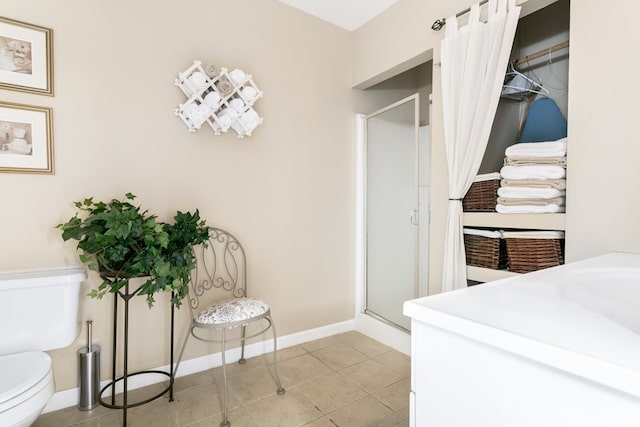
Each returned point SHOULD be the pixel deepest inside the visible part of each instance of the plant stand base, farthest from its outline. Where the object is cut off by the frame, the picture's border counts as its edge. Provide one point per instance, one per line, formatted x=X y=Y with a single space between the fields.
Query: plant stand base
x=126 y=296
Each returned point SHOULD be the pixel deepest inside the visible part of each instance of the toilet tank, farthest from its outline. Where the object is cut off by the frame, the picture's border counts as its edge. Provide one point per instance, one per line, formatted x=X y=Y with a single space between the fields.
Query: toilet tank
x=39 y=309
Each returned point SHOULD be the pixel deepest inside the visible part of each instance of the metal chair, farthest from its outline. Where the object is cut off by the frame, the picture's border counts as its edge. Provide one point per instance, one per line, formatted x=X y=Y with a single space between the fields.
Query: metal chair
x=222 y=263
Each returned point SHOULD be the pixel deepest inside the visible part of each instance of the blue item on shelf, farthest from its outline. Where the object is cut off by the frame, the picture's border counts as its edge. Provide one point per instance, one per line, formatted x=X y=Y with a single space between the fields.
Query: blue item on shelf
x=544 y=122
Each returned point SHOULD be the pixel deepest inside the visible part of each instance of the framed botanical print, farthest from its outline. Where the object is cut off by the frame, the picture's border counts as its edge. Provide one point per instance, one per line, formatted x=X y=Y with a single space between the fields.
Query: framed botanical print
x=26 y=139
x=26 y=57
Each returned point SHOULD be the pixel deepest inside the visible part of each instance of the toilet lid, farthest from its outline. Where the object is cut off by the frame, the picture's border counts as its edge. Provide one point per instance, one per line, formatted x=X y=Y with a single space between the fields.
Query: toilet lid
x=21 y=371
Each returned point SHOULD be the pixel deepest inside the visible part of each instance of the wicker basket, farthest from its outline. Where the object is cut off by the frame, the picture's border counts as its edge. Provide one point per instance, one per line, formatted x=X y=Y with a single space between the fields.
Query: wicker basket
x=482 y=196
x=526 y=255
x=485 y=252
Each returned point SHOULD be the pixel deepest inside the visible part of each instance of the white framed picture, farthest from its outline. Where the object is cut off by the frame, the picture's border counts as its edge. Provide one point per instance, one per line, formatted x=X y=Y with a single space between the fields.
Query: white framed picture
x=26 y=139
x=26 y=57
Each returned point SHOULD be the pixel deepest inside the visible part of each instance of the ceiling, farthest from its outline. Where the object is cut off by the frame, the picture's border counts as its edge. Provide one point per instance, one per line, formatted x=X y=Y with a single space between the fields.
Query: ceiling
x=347 y=14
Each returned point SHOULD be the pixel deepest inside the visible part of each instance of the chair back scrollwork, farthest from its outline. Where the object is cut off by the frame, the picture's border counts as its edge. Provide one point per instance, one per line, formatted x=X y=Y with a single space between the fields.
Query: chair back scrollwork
x=221 y=265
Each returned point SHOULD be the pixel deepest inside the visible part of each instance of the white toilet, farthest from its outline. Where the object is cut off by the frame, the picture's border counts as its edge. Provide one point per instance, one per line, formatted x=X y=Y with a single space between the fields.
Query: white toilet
x=38 y=312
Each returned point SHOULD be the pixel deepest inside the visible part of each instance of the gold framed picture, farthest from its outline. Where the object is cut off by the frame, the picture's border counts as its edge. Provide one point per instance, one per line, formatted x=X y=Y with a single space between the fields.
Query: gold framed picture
x=26 y=57
x=26 y=139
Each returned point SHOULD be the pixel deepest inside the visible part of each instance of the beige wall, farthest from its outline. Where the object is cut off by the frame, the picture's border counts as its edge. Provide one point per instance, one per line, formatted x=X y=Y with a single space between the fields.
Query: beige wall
x=286 y=191
x=602 y=196
x=398 y=39
x=401 y=37
x=602 y=202
x=405 y=84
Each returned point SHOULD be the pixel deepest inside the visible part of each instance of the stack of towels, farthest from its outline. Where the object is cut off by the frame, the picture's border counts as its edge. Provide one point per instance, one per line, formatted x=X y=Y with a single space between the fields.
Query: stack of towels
x=533 y=178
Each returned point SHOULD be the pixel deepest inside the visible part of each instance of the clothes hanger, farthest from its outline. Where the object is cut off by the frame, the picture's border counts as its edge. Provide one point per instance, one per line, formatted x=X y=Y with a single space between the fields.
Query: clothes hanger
x=520 y=86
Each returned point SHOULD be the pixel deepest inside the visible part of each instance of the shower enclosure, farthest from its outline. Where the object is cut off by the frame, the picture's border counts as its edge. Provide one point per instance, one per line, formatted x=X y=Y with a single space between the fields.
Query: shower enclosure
x=395 y=210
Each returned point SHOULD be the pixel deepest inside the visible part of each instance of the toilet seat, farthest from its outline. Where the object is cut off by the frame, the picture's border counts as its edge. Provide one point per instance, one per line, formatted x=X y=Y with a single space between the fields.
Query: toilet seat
x=25 y=377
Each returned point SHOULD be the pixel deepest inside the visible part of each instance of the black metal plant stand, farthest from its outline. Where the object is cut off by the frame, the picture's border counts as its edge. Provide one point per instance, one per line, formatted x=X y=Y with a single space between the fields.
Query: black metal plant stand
x=126 y=296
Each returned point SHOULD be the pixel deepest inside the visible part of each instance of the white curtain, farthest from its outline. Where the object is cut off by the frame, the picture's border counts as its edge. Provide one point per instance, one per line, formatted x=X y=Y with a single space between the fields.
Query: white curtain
x=473 y=63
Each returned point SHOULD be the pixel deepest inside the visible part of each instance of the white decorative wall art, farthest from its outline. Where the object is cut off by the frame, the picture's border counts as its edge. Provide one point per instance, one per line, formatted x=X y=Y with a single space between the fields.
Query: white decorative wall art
x=221 y=98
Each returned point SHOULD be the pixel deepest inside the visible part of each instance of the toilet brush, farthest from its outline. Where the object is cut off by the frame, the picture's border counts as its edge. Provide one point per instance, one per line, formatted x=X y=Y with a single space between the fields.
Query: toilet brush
x=89 y=373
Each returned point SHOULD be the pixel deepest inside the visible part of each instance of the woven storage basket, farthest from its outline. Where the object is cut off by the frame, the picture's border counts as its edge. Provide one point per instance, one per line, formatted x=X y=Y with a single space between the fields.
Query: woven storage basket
x=526 y=255
x=482 y=196
x=485 y=252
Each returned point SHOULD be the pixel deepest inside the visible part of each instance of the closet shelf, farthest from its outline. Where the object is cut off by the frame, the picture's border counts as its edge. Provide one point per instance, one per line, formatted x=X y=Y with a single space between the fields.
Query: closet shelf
x=547 y=221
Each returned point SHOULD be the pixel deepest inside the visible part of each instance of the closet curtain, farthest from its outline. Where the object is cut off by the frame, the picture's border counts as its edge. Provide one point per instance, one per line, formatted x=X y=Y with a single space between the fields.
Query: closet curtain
x=473 y=63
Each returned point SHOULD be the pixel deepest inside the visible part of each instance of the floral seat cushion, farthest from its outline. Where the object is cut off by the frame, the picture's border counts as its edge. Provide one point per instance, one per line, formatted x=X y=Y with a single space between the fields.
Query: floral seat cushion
x=232 y=311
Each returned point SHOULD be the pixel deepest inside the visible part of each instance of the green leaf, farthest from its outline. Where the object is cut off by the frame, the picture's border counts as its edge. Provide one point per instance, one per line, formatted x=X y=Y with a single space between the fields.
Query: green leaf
x=129 y=242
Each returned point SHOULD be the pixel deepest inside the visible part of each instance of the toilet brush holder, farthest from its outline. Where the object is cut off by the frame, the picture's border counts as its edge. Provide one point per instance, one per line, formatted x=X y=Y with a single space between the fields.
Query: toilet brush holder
x=89 y=373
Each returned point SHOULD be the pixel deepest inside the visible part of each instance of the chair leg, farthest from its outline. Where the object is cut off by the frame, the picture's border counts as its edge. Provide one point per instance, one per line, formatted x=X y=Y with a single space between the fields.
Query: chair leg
x=244 y=332
x=276 y=377
x=225 y=422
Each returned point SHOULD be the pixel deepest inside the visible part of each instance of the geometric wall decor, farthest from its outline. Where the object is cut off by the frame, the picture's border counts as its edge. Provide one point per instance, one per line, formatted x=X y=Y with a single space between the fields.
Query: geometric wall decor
x=220 y=98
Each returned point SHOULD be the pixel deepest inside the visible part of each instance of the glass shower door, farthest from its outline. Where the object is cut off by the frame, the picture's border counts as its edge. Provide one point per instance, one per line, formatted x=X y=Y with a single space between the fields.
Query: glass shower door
x=392 y=210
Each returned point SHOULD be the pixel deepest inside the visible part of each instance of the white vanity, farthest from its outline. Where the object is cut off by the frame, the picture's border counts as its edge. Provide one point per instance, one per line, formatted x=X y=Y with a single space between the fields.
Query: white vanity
x=557 y=347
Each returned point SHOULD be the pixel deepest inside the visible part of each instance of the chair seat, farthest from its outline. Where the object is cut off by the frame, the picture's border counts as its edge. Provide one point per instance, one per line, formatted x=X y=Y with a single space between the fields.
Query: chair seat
x=232 y=311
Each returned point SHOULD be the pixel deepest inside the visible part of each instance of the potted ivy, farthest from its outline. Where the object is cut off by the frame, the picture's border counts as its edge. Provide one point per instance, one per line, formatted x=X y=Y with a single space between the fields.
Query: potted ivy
x=121 y=241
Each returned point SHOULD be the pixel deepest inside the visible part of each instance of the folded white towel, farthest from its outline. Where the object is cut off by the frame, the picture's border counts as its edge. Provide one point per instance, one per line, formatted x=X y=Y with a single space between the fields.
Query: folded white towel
x=237 y=76
x=197 y=81
x=227 y=116
x=529 y=193
x=197 y=114
x=249 y=93
x=533 y=234
x=533 y=172
x=486 y=177
x=540 y=149
x=560 y=184
x=535 y=160
x=550 y=208
x=228 y=112
x=212 y=99
x=237 y=104
x=494 y=234
x=506 y=201
x=250 y=119
x=246 y=122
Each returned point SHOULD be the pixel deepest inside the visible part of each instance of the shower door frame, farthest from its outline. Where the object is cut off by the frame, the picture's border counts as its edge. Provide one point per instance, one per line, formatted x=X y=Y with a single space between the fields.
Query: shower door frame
x=411 y=216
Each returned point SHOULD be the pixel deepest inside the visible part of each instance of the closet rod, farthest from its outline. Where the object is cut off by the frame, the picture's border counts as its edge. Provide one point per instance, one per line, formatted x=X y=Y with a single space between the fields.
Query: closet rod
x=541 y=53
x=439 y=23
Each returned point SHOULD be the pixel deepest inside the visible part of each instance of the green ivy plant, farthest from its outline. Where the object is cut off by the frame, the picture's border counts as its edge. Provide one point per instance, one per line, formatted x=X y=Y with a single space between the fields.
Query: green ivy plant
x=120 y=241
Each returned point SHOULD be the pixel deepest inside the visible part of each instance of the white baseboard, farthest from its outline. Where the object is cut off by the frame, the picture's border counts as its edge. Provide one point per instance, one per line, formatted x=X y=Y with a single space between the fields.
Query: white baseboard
x=66 y=398
x=380 y=331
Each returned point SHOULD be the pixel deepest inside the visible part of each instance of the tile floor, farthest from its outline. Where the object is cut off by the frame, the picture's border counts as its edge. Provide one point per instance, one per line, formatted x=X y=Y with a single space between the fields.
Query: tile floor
x=345 y=380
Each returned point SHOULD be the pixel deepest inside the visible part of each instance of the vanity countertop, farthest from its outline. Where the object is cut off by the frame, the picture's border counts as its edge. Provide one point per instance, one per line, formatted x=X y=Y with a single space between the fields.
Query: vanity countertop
x=582 y=317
